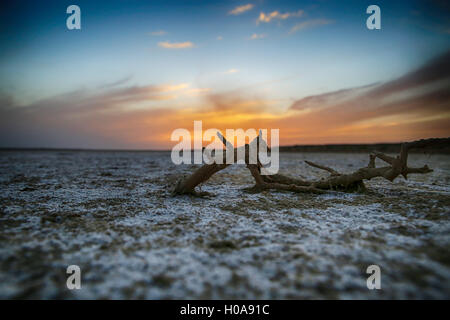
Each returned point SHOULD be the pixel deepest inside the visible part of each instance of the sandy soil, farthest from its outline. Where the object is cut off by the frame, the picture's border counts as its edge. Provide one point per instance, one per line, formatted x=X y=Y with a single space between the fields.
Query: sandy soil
x=111 y=213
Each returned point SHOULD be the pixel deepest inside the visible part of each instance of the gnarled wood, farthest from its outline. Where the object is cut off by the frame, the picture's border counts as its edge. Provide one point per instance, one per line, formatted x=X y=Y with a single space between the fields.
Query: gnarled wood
x=187 y=186
x=336 y=181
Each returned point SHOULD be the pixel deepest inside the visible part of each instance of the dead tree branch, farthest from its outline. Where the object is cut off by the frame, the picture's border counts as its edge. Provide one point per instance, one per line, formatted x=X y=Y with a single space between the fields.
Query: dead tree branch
x=330 y=170
x=350 y=182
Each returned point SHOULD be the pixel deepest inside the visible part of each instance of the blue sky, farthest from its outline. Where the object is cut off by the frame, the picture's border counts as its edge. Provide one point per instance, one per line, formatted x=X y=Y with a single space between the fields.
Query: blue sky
x=122 y=44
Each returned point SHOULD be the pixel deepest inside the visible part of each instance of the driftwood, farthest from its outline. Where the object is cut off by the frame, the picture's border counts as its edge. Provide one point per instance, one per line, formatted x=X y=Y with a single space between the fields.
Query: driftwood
x=351 y=182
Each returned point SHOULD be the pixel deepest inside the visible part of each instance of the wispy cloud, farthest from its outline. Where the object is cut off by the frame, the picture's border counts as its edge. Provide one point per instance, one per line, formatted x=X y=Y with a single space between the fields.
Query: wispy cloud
x=158 y=33
x=256 y=36
x=231 y=71
x=276 y=15
x=176 y=45
x=171 y=87
x=115 y=83
x=241 y=9
x=414 y=106
x=309 y=24
x=106 y=118
x=198 y=91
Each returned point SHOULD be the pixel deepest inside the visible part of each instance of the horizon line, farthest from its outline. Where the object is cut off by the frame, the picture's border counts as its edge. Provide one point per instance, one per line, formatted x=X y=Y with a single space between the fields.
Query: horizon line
x=168 y=150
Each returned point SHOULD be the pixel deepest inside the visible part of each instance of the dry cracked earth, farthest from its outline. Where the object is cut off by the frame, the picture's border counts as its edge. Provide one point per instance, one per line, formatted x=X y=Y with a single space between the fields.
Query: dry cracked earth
x=111 y=213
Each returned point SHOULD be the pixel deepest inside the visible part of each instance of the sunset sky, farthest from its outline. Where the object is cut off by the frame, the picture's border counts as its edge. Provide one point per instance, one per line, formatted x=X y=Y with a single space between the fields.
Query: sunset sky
x=137 y=70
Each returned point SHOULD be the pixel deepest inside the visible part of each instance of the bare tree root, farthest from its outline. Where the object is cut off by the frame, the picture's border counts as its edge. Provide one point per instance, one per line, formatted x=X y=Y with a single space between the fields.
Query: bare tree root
x=187 y=185
x=351 y=182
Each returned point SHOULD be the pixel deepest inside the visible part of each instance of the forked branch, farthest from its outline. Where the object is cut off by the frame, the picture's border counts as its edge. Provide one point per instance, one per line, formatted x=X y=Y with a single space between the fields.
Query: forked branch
x=336 y=181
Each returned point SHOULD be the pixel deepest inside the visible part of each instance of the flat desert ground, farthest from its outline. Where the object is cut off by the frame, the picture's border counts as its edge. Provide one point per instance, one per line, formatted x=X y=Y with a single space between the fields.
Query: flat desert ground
x=111 y=213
